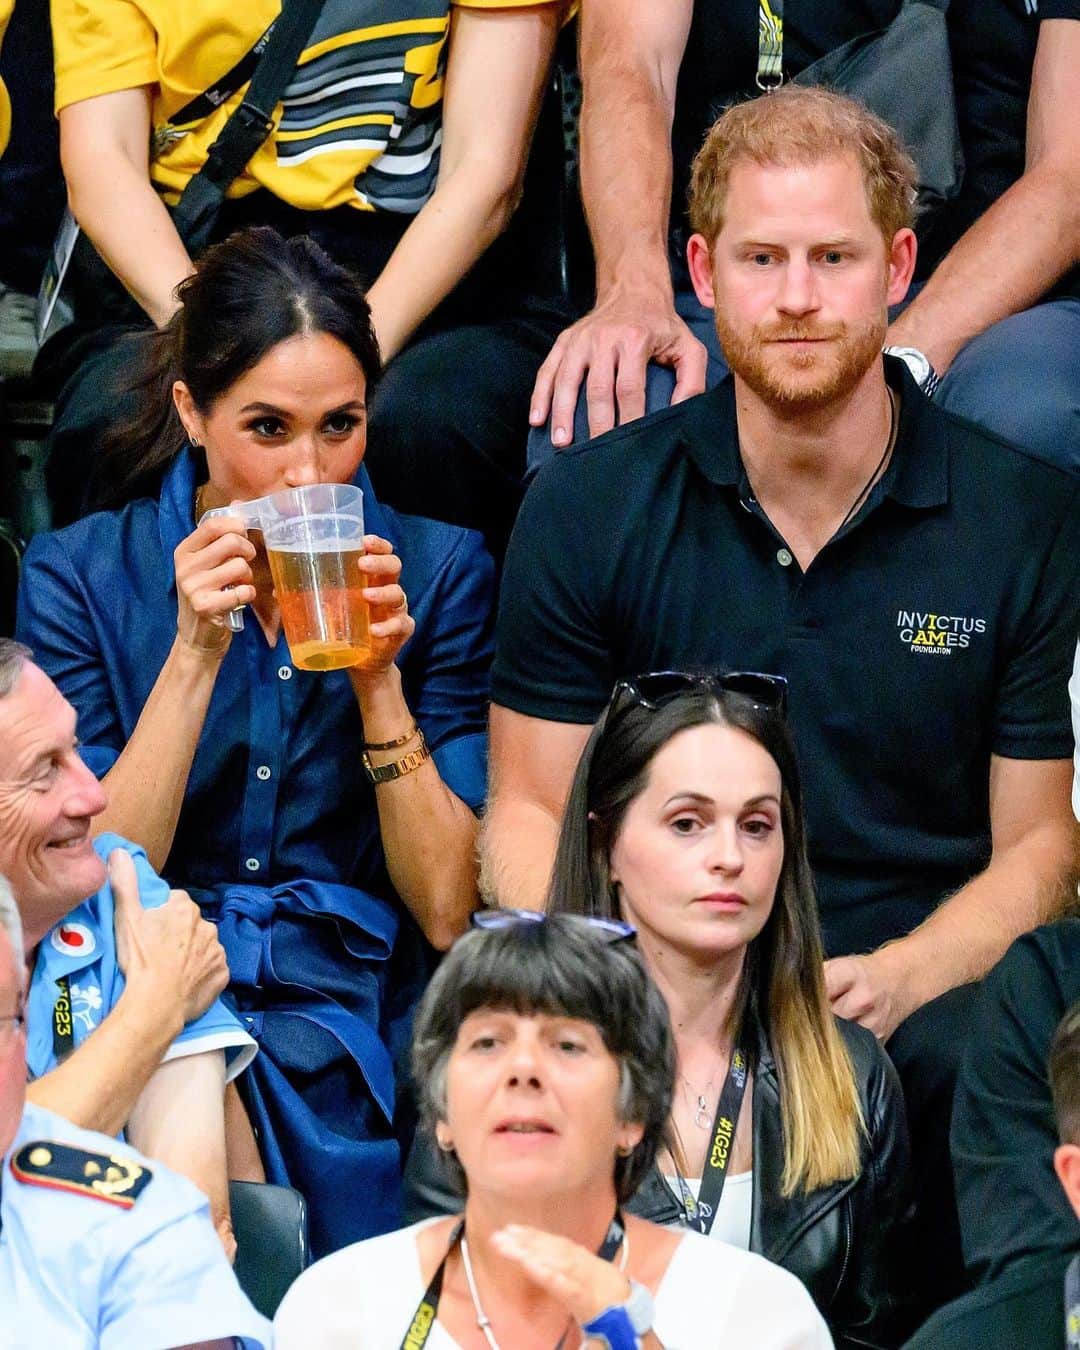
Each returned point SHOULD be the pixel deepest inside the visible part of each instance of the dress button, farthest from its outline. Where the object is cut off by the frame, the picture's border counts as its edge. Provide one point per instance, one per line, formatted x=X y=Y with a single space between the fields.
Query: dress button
x=262 y=773
x=284 y=672
x=252 y=864
x=784 y=558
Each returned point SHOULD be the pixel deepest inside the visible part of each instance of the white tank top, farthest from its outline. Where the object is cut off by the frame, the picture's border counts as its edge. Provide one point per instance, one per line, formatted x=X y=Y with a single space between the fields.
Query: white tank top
x=732 y=1221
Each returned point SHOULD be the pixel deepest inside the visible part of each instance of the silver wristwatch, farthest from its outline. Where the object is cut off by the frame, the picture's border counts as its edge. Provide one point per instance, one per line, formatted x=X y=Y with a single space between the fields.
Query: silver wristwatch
x=923 y=373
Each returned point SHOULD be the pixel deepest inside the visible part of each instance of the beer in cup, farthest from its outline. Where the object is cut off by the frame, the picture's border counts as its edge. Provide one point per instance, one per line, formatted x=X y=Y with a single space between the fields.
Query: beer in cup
x=314 y=539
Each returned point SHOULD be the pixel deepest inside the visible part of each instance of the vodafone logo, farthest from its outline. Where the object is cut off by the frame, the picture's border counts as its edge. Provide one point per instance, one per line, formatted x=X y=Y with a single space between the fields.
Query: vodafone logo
x=73 y=939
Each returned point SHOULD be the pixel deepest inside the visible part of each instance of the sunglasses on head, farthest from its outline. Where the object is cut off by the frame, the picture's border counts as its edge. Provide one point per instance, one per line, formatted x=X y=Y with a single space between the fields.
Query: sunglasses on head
x=613 y=930
x=657 y=687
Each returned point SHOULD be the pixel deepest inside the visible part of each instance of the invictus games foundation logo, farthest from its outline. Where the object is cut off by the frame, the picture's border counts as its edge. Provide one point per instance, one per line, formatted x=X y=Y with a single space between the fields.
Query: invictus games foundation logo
x=937 y=634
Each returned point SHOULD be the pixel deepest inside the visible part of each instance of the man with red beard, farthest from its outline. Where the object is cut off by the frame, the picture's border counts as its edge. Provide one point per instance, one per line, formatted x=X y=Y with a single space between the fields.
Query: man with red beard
x=815 y=516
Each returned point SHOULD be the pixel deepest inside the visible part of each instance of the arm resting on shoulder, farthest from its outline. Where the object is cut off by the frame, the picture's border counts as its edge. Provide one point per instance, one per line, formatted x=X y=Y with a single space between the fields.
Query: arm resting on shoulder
x=1030 y=877
x=630 y=54
x=1030 y=236
x=496 y=66
x=104 y=149
x=179 y=1120
x=532 y=765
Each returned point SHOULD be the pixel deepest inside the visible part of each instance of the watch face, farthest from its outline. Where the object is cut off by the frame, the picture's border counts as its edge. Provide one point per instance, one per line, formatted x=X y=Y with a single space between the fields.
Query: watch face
x=915 y=361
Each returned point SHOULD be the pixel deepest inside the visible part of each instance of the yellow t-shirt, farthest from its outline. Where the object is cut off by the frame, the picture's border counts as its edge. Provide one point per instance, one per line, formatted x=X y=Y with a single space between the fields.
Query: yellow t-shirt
x=360 y=121
x=6 y=6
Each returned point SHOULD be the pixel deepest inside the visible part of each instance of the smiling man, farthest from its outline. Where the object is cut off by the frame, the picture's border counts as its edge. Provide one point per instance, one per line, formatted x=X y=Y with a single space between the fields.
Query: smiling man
x=914 y=578
x=125 y=1029
x=98 y=1247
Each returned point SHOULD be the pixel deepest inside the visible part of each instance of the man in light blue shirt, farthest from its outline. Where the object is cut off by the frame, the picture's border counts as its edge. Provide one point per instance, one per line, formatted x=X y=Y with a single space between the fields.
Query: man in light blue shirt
x=134 y=964
x=98 y=1246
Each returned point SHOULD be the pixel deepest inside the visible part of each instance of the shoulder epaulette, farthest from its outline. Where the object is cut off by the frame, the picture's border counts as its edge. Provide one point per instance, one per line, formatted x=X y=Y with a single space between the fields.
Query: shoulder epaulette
x=61 y=1167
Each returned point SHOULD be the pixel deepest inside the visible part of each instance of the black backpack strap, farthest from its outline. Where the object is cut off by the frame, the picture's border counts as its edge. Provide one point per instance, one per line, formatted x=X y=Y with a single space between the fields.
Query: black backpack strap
x=249 y=125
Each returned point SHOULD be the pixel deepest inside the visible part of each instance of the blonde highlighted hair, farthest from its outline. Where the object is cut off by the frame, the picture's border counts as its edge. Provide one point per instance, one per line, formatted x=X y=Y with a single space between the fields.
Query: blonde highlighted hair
x=783 y=984
x=800 y=125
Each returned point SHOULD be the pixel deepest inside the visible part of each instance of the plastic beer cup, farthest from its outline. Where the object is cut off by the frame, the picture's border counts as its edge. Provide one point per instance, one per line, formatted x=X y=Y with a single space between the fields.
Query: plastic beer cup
x=314 y=538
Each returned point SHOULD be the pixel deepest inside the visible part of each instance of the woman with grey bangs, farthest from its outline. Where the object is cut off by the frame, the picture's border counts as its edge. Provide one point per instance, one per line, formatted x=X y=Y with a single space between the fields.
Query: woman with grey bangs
x=545 y=1064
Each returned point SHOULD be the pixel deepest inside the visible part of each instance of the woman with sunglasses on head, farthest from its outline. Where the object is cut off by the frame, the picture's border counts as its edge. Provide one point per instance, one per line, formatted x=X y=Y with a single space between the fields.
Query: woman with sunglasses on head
x=545 y=1063
x=787 y=1131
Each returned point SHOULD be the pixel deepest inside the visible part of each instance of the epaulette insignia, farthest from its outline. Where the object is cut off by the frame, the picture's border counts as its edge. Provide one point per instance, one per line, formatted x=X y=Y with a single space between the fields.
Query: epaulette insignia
x=108 y=1177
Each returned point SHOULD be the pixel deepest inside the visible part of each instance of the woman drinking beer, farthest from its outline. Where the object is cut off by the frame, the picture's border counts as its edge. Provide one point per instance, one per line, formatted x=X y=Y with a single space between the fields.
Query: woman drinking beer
x=326 y=820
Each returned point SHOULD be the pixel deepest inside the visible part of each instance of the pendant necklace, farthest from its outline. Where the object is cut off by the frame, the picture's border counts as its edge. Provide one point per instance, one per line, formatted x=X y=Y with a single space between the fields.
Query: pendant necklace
x=482 y=1320
x=702 y=1114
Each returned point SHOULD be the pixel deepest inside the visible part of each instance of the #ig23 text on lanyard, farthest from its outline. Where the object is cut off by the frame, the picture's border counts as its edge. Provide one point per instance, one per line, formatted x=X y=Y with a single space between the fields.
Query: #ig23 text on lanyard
x=700 y=1213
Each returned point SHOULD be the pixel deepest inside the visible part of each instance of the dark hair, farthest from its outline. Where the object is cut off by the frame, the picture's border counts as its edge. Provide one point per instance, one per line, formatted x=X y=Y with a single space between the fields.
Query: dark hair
x=247 y=294
x=783 y=988
x=563 y=968
x=1065 y=1076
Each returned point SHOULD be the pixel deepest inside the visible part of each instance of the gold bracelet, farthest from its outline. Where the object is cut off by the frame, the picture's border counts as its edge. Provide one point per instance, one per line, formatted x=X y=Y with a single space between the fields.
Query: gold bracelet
x=392 y=745
x=386 y=773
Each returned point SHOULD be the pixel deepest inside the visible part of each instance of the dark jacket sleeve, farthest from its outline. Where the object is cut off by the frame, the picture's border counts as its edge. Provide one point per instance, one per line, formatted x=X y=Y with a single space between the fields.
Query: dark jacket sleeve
x=1003 y=1131
x=872 y=1296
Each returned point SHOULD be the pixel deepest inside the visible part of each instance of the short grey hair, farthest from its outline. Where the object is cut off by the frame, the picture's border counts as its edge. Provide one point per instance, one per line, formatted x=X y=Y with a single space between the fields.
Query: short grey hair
x=564 y=967
x=13 y=656
x=11 y=923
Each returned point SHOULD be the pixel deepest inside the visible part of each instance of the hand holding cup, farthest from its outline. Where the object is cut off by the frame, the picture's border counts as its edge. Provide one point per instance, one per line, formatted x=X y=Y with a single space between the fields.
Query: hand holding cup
x=213 y=576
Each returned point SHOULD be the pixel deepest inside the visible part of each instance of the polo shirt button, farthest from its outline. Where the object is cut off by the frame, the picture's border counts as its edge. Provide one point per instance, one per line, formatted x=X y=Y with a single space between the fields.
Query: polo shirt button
x=262 y=773
x=284 y=672
x=784 y=558
x=252 y=864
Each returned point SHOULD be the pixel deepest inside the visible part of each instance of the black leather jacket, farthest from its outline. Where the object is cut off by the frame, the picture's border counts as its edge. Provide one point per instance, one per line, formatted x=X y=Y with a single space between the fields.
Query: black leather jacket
x=844 y=1242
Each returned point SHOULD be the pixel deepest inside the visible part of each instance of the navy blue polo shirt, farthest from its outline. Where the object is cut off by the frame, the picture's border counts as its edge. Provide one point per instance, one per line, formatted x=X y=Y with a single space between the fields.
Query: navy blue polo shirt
x=934 y=630
x=277 y=790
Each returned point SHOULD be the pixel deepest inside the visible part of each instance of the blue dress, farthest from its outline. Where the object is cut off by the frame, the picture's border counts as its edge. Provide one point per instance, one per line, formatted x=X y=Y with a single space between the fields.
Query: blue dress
x=278 y=838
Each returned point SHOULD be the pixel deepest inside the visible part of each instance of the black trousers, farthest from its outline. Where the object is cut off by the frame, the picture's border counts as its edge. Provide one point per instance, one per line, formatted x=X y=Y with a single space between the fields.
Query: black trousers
x=927 y=1050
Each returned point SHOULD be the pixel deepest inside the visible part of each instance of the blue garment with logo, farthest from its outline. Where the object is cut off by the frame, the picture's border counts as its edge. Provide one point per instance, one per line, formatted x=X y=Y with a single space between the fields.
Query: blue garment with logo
x=80 y=1273
x=278 y=838
x=82 y=949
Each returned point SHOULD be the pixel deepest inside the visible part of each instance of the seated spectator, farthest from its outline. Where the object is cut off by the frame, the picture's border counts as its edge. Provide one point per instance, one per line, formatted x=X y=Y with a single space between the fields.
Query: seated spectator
x=31 y=183
x=546 y=1063
x=323 y=820
x=1035 y=1301
x=400 y=146
x=685 y=820
x=1003 y=1131
x=915 y=580
x=6 y=7
x=101 y=1246
x=996 y=307
x=111 y=951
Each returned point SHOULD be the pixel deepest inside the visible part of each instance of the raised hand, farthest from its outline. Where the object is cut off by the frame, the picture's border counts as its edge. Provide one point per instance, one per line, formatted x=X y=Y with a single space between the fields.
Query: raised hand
x=579 y=1279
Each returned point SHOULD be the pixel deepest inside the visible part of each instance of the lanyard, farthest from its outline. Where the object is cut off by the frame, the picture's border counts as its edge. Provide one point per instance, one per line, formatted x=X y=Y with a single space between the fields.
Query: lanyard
x=63 y=1035
x=202 y=105
x=770 y=60
x=427 y=1309
x=1072 y=1304
x=699 y=1214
